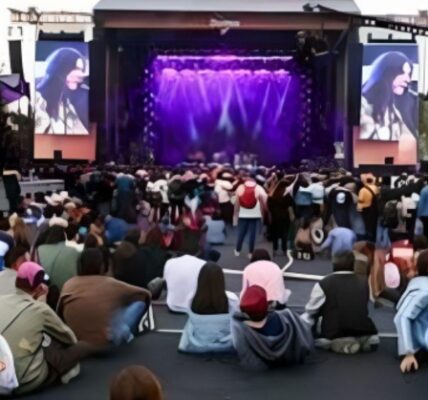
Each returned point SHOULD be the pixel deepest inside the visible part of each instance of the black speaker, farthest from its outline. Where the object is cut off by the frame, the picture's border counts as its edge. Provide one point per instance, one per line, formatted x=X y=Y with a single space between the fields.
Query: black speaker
x=389 y=160
x=57 y=155
x=16 y=57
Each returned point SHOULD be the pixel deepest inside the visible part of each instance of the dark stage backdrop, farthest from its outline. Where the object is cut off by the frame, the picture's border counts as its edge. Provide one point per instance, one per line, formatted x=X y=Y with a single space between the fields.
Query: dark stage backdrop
x=133 y=122
x=226 y=103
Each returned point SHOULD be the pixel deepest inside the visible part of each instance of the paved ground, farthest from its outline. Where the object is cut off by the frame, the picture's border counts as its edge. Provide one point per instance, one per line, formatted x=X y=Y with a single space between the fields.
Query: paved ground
x=184 y=377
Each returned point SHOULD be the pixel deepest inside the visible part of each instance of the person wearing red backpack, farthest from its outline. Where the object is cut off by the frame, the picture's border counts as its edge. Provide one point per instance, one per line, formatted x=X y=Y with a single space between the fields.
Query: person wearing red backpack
x=250 y=206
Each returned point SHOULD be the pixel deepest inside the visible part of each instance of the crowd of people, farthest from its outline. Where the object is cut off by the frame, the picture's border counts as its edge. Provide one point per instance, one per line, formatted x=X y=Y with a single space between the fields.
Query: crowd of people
x=81 y=267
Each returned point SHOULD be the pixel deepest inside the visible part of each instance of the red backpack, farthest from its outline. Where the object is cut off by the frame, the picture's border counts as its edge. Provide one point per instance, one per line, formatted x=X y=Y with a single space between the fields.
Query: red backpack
x=248 y=199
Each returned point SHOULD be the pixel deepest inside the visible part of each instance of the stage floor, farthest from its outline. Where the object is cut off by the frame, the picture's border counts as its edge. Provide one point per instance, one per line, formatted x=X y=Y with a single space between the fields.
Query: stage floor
x=183 y=377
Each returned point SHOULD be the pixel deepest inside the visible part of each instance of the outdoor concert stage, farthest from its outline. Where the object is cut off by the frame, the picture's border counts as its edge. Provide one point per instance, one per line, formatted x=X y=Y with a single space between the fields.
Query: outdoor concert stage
x=170 y=84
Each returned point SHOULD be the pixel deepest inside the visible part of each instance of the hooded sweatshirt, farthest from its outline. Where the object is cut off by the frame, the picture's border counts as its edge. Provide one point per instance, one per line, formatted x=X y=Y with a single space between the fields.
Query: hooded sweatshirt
x=258 y=351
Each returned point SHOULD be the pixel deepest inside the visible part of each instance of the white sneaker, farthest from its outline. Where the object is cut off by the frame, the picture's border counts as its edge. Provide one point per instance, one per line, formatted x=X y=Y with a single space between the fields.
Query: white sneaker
x=68 y=376
x=345 y=346
x=237 y=253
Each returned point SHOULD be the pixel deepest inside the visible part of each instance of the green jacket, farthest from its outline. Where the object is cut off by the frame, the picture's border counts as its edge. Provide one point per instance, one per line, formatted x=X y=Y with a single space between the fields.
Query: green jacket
x=59 y=261
x=23 y=321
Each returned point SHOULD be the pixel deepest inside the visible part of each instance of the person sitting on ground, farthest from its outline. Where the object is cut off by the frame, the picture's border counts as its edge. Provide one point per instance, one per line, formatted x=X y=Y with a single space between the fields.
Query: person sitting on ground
x=44 y=349
x=208 y=326
x=100 y=309
x=340 y=240
x=14 y=258
x=260 y=255
x=216 y=229
x=135 y=383
x=266 y=339
x=189 y=234
x=340 y=301
x=411 y=320
x=267 y=275
x=141 y=265
x=181 y=277
x=58 y=260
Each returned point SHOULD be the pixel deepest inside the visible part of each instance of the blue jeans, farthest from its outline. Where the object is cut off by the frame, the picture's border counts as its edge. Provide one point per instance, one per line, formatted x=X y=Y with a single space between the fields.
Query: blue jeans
x=124 y=324
x=247 y=225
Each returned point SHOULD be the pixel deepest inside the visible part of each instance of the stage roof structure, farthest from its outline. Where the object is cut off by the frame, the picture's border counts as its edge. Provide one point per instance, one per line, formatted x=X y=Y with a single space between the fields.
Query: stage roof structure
x=221 y=14
x=257 y=6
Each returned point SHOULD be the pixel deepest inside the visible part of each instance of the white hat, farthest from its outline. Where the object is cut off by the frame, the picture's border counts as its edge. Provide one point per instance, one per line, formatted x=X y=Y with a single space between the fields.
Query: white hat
x=58 y=221
x=54 y=200
x=64 y=195
x=340 y=198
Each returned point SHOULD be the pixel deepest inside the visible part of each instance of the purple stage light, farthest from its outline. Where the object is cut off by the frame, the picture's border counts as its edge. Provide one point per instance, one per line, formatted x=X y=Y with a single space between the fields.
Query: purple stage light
x=226 y=103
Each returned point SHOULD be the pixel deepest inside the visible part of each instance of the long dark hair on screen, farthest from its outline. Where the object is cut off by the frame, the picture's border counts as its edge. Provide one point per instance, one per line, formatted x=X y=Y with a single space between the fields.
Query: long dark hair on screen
x=52 y=86
x=377 y=89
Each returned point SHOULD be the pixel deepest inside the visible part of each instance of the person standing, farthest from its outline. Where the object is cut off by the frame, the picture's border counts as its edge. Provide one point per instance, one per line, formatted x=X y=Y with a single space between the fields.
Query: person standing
x=11 y=178
x=367 y=205
x=280 y=207
x=250 y=205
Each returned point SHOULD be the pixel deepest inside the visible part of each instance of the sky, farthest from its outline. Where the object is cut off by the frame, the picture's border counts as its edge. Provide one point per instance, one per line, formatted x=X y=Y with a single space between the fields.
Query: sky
x=373 y=7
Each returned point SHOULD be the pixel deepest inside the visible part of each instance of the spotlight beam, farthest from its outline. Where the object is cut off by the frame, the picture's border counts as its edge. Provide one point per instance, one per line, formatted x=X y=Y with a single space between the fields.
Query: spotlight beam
x=282 y=101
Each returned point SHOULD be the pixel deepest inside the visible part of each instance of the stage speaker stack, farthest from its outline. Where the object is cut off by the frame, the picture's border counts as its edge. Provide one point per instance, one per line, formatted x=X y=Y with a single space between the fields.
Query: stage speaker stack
x=15 y=53
x=57 y=155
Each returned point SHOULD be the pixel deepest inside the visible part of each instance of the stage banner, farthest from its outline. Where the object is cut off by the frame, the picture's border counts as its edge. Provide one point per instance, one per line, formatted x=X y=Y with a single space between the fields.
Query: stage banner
x=61 y=101
x=389 y=105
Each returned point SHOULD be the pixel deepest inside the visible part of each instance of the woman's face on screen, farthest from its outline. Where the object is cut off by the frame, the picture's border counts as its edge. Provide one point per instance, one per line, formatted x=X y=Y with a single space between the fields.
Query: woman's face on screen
x=401 y=82
x=76 y=76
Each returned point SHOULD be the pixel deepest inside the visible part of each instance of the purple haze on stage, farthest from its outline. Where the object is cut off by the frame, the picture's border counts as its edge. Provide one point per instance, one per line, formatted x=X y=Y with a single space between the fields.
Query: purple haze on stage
x=227 y=103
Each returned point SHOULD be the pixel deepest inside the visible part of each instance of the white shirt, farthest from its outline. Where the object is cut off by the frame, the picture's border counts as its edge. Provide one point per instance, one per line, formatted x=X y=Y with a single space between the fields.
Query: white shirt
x=221 y=188
x=161 y=185
x=181 y=276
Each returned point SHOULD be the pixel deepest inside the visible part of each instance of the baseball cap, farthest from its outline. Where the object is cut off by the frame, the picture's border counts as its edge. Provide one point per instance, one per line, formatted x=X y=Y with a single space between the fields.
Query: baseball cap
x=254 y=303
x=33 y=273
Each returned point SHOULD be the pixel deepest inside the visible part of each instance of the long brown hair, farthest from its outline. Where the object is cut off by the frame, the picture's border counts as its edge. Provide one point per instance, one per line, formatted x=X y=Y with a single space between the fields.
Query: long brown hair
x=279 y=189
x=210 y=297
x=20 y=232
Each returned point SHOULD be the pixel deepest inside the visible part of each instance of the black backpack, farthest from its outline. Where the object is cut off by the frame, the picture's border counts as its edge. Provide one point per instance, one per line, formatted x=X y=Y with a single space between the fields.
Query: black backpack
x=390 y=214
x=176 y=190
